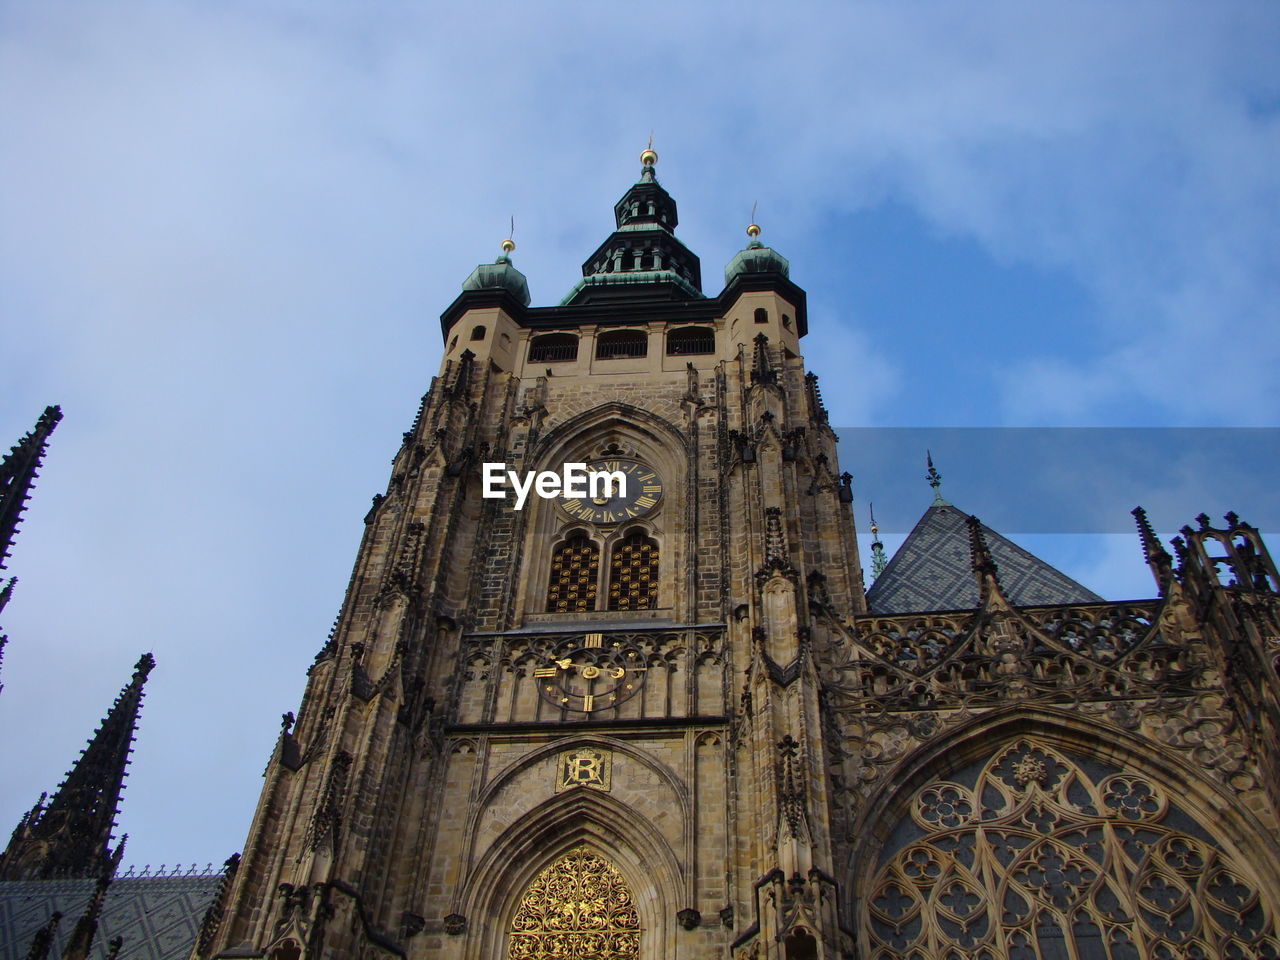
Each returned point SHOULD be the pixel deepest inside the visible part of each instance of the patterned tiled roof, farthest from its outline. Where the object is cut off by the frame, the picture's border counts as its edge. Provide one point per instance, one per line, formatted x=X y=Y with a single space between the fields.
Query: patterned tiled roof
x=159 y=917
x=933 y=570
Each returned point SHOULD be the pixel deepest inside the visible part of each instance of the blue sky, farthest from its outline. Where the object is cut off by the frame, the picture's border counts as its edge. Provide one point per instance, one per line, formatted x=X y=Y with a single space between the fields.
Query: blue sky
x=227 y=232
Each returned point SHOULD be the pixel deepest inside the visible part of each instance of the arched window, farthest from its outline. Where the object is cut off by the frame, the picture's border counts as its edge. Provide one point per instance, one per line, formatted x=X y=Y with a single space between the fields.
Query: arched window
x=762 y=315
x=689 y=341
x=575 y=571
x=452 y=343
x=1036 y=853
x=477 y=332
x=553 y=348
x=622 y=343
x=579 y=906
x=633 y=573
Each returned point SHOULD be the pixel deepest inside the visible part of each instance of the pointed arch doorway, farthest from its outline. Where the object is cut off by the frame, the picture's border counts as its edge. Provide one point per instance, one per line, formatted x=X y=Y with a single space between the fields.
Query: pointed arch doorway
x=578 y=908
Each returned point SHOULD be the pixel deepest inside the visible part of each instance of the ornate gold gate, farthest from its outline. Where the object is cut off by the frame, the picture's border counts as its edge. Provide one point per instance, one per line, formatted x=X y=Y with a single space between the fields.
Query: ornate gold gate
x=1037 y=855
x=578 y=908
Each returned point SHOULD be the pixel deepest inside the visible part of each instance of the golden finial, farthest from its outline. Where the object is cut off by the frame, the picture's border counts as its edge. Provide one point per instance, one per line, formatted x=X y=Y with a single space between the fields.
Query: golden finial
x=753 y=230
x=647 y=157
x=508 y=244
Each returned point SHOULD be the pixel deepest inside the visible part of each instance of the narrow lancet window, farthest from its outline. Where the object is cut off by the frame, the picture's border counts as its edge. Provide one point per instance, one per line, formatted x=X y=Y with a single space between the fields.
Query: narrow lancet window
x=575 y=569
x=633 y=573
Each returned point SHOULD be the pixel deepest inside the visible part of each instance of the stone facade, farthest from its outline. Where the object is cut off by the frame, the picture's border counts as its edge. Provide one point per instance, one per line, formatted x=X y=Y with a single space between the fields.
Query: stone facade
x=742 y=760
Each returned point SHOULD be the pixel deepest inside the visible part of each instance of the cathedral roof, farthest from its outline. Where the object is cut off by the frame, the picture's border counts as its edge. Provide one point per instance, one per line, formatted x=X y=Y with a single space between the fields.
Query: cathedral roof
x=158 y=917
x=933 y=570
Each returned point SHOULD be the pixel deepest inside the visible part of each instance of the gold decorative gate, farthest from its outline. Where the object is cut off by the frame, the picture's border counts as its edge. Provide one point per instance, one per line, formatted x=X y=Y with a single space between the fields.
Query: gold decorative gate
x=1038 y=855
x=578 y=908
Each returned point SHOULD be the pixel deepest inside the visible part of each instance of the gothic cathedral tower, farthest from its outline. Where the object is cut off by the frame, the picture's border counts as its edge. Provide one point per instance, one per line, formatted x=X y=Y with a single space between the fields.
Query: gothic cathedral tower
x=667 y=721
x=589 y=727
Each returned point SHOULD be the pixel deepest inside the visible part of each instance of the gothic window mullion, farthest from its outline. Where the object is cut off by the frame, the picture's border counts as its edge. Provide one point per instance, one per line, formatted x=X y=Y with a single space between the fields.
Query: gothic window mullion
x=1118 y=865
x=602 y=580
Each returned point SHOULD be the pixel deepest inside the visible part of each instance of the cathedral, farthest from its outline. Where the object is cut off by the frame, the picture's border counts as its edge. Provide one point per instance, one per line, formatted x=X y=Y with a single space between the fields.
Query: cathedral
x=670 y=719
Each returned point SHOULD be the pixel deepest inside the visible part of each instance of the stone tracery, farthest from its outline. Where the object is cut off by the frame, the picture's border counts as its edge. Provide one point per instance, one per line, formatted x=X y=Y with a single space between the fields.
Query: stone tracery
x=1034 y=854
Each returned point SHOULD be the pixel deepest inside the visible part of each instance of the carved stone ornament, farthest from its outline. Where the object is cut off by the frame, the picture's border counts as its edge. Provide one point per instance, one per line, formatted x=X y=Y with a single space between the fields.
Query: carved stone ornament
x=689 y=918
x=454 y=924
x=411 y=925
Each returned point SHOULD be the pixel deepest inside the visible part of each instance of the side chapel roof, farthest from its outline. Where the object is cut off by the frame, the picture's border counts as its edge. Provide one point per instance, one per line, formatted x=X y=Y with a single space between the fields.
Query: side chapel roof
x=933 y=570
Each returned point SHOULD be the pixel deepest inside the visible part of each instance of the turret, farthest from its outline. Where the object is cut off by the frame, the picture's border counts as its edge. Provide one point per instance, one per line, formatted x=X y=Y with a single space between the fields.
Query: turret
x=69 y=836
x=485 y=319
x=760 y=298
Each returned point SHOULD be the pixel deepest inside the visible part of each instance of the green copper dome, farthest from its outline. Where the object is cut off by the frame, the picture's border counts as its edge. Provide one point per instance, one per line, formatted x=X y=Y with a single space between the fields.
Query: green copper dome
x=499 y=275
x=756 y=258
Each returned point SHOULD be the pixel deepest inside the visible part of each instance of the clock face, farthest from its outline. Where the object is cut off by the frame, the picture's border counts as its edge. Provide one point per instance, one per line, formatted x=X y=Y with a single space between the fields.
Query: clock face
x=643 y=491
x=593 y=676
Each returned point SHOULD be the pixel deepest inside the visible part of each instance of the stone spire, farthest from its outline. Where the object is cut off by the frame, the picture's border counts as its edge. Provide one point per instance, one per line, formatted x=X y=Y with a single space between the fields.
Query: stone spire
x=878 y=561
x=935 y=481
x=43 y=940
x=1153 y=551
x=984 y=566
x=18 y=474
x=70 y=835
x=86 y=929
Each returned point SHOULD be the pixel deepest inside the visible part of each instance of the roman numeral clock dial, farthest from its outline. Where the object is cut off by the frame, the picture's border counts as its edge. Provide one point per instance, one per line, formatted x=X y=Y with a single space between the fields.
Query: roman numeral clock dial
x=643 y=492
x=591 y=676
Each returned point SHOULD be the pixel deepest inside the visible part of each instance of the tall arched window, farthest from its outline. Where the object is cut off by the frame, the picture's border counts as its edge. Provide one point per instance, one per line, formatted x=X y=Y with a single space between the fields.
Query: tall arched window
x=1036 y=854
x=575 y=572
x=633 y=573
x=579 y=906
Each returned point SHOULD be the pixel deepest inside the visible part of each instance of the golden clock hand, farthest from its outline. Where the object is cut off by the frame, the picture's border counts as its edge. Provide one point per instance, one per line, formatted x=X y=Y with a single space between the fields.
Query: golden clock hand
x=616 y=672
x=564 y=664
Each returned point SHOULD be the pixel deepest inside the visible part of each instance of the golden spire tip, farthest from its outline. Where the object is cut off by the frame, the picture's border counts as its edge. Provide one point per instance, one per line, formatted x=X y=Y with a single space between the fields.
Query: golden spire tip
x=647 y=156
